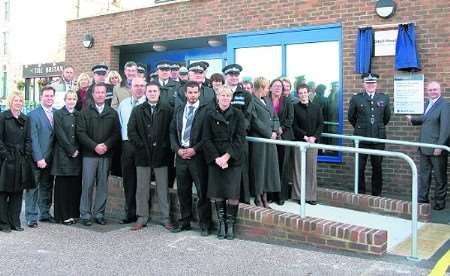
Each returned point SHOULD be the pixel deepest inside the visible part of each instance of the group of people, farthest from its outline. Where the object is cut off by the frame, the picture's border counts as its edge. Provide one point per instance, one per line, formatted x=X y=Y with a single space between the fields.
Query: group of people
x=193 y=129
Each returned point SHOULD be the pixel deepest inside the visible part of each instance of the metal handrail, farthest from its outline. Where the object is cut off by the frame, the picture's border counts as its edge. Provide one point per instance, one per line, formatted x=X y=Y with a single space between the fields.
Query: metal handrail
x=357 y=139
x=303 y=146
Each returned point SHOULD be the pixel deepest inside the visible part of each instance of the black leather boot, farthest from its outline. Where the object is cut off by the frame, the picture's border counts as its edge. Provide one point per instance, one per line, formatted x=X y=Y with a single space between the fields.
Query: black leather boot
x=231 y=221
x=220 y=210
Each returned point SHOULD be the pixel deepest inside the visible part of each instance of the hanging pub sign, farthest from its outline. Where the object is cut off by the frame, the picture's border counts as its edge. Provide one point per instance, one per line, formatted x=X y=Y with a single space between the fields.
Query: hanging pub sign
x=385 y=42
x=43 y=70
x=408 y=94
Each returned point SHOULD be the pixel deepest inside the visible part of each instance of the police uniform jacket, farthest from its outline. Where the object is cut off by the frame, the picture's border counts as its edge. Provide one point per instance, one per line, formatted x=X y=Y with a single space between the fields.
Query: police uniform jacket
x=242 y=100
x=369 y=116
x=149 y=133
x=168 y=91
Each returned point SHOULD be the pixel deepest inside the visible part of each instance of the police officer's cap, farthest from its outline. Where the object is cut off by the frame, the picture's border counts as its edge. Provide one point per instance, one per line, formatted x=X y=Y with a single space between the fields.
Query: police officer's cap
x=141 y=68
x=100 y=69
x=175 y=66
x=164 y=65
x=197 y=67
x=183 y=71
x=232 y=68
x=370 y=77
x=206 y=64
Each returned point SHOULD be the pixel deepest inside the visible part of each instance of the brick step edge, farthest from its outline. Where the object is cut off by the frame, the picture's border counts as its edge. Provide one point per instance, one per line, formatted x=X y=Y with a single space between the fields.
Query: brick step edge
x=272 y=226
x=369 y=203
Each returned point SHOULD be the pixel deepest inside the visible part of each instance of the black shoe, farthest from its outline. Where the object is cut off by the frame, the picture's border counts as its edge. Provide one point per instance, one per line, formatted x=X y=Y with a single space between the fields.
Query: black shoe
x=280 y=202
x=32 y=224
x=423 y=201
x=86 y=222
x=100 y=221
x=311 y=202
x=181 y=227
x=128 y=220
x=69 y=221
x=439 y=207
x=17 y=228
x=48 y=219
x=204 y=231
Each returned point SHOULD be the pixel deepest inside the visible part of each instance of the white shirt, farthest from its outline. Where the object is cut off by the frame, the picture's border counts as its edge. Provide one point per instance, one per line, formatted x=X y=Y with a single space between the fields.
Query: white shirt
x=186 y=143
x=124 y=111
x=100 y=108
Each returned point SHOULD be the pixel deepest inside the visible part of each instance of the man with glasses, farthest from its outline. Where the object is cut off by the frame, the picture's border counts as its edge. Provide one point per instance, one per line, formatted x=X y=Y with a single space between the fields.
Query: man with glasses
x=369 y=113
x=435 y=130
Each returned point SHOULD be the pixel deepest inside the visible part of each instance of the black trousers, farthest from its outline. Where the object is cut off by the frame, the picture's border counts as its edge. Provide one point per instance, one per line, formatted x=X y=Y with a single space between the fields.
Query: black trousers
x=129 y=179
x=10 y=207
x=171 y=172
x=377 y=176
x=436 y=165
x=67 y=195
x=188 y=171
x=245 y=183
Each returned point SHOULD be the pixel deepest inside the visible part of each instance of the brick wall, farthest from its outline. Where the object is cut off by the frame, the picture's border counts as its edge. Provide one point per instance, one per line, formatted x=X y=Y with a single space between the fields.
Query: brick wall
x=199 y=18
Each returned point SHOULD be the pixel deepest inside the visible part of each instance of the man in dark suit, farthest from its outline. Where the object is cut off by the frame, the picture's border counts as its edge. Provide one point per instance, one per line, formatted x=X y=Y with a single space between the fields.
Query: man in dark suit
x=369 y=112
x=435 y=130
x=42 y=146
x=186 y=141
x=98 y=132
x=148 y=131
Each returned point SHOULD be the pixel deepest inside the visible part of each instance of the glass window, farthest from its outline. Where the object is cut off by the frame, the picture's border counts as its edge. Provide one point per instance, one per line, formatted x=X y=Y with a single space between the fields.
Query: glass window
x=317 y=64
x=254 y=65
x=4 y=81
x=312 y=54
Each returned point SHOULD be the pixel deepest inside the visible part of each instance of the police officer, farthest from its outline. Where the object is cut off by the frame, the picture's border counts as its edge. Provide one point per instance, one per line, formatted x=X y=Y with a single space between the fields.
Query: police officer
x=369 y=113
x=197 y=71
x=241 y=100
x=99 y=74
x=141 y=70
x=167 y=86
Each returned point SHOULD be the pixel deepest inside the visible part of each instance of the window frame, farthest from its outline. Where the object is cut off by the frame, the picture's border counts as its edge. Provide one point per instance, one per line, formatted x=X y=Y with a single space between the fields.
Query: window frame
x=297 y=35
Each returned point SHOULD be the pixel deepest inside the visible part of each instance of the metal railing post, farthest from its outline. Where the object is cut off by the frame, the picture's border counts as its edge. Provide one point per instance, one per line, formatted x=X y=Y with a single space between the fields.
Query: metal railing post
x=414 y=212
x=302 y=180
x=356 y=176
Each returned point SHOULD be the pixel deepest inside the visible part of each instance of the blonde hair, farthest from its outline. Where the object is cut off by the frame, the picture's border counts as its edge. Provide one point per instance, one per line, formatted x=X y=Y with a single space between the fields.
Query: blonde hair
x=225 y=89
x=12 y=95
x=83 y=76
x=71 y=92
x=111 y=74
x=260 y=82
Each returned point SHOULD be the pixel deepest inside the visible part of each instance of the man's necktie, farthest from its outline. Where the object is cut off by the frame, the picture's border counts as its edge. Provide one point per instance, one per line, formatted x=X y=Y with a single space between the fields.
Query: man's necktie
x=430 y=104
x=189 y=120
x=50 y=116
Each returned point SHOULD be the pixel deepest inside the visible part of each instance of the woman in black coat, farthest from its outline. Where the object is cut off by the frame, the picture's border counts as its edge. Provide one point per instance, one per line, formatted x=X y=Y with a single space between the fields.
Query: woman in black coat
x=66 y=166
x=284 y=109
x=224 y=134
x=307 y=127
x=15 y=155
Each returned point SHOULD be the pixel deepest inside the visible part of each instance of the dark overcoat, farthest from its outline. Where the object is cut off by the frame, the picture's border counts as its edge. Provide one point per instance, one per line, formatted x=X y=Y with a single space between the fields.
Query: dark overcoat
x=224 y=132
x=149 y=133
x=15 y=153
x=264 y=171
x=66 y=143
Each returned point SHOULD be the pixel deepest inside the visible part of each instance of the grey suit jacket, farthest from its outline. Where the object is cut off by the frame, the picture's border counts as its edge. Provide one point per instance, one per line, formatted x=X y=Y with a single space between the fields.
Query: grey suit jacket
x=435 y=125
x=41 y=135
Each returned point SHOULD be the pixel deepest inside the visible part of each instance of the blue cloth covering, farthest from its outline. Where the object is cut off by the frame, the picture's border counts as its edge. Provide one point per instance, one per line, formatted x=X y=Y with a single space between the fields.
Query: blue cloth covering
x=406 y=56
x=364 y=49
